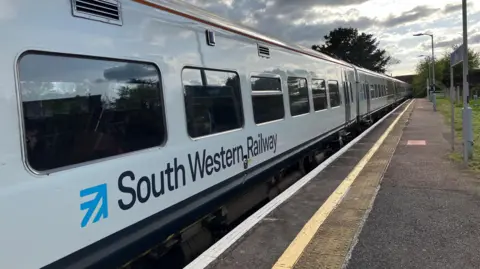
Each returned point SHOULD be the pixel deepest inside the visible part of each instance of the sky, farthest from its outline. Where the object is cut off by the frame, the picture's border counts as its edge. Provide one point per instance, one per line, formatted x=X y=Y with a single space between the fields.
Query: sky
x=392 y=22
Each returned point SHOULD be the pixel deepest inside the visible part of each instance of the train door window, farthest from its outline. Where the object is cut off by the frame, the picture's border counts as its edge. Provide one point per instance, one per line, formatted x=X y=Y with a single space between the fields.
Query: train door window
x=267 y=99
x=348 y=93
x=213 y=101
x=345 y=87
x=351 y=93
x=334 y=91
x=78 y=109
x=319 y=91
x=298 y=95
x=372 y=91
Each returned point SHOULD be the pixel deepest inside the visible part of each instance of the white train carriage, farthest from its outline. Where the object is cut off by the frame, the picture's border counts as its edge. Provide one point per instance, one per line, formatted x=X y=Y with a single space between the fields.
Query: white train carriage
x=125 y=122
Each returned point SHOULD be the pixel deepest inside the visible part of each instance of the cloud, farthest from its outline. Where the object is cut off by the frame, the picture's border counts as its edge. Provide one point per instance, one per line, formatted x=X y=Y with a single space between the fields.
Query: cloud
x=455 y=7
x=417 y=13
x=442 y=42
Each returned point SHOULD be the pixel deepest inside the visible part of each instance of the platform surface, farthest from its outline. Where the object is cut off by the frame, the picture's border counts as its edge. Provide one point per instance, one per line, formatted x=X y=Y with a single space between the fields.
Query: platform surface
x=427 y=212
x=393 y=200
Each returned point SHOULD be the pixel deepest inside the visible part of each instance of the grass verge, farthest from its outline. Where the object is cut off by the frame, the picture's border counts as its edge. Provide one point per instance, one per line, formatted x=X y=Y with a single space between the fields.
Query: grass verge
x=443 y=106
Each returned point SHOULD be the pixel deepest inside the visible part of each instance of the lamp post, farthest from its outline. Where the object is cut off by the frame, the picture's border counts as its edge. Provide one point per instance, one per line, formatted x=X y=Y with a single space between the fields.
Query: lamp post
x=433 y=71
x=429 y=73
x=467 y=110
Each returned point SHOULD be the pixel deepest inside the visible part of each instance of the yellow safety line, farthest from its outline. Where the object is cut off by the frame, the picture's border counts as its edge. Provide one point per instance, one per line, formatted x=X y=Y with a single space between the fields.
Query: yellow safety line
x=291 y=255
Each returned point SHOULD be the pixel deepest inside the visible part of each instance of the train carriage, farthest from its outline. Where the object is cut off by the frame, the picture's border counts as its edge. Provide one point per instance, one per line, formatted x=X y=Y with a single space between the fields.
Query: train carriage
x=133 y=124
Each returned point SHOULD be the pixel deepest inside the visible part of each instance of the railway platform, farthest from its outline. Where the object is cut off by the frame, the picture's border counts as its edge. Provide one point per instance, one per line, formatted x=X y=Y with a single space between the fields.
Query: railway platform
x=389 y=199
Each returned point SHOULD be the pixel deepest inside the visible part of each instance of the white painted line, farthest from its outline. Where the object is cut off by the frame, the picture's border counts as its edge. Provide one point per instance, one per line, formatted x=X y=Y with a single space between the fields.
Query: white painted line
x=223 y=244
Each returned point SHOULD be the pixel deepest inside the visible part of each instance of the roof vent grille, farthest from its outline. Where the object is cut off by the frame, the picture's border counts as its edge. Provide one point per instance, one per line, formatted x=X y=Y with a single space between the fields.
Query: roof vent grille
x=263 y=51
x=100 y=10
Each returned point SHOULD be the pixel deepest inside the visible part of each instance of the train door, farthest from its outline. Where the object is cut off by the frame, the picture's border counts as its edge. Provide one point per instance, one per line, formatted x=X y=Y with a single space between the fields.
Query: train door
x=368 y=96
x=353 y=94
x=358 y=90
x=347 y=98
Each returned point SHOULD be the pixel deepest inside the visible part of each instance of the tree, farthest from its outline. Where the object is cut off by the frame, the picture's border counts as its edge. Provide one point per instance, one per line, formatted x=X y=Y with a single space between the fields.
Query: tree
x=442 y=71
x=359 y=49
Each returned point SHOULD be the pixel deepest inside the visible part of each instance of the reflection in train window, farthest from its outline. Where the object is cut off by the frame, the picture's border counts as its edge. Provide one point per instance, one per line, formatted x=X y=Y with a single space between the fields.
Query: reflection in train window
x=298 y=96
x=267 y=99
x=333 y=90
x=79 y=109
x=319 y=92
x=213 y=101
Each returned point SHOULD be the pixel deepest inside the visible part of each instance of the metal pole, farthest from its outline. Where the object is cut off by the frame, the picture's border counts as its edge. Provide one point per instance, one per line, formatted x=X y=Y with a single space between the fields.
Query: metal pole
x=467 y=111
x=433 y=77
x=452 y=105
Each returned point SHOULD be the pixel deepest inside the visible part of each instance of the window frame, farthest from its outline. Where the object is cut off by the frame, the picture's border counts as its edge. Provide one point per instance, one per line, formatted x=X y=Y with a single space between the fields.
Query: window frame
x=308 y=97
x=199 y=68
x=21 y=115
x=327 y=95
x=267 y=93
x=338 y=90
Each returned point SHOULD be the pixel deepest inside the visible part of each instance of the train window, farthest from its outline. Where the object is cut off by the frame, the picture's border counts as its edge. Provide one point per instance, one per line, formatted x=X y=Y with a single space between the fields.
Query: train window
x=351 y=93
x=78 y=109
x=267 y=99
x=213 y=101
x=334 y=92
x=319 y=91
x=298 y=95
x=372 y=91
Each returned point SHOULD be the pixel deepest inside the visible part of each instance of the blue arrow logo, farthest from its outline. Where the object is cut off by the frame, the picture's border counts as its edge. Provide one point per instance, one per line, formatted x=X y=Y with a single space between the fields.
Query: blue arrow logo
x=100 y=192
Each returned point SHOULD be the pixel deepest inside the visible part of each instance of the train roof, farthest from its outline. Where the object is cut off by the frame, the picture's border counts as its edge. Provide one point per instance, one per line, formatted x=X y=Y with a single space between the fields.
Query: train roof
x=192 y=12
